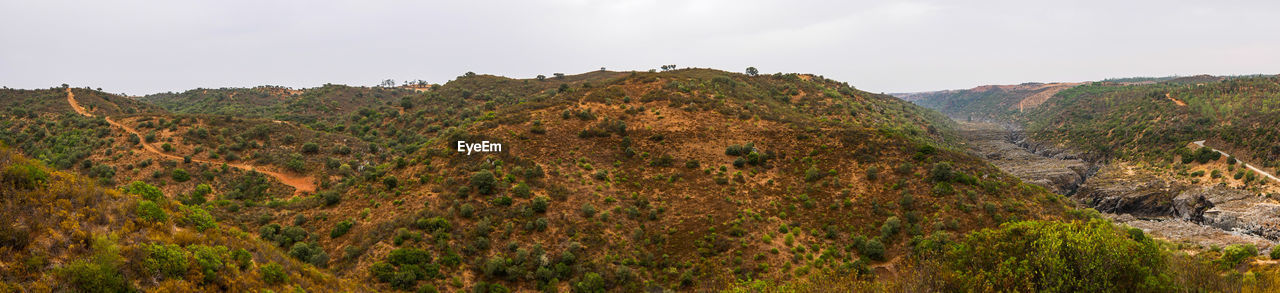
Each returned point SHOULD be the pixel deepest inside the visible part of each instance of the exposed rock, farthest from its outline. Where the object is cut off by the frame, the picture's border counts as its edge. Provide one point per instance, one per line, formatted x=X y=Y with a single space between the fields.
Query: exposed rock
x=1054 y=169
x=1113 y=190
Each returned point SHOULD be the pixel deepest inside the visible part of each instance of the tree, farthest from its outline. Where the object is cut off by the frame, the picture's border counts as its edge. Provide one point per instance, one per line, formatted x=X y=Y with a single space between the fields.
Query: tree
x=542 y=77
x=483 y=181
x=752 y=71
x=558 y=75
x=388 y=83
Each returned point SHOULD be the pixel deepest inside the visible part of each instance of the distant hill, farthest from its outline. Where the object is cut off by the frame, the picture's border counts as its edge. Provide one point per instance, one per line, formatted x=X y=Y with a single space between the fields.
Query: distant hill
x=989 y=102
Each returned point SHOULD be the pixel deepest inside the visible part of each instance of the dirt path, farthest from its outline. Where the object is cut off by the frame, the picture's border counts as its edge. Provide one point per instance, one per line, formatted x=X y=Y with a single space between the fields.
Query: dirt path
x=299 y=183
x=1246 y=165
x=1175 y=101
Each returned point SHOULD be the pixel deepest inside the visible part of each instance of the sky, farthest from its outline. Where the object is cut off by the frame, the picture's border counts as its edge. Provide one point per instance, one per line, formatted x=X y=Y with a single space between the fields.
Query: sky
x=142 y=47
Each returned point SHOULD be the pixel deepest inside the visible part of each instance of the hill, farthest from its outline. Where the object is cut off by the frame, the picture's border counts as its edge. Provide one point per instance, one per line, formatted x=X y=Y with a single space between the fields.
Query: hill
x=1155 y=122
x=61 y=232
x=989 y=102
x=690 y=179
x=629 y=181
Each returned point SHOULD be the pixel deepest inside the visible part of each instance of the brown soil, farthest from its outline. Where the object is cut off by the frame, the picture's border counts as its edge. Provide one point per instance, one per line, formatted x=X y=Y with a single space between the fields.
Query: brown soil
x=1175 y=101
x=301 y=184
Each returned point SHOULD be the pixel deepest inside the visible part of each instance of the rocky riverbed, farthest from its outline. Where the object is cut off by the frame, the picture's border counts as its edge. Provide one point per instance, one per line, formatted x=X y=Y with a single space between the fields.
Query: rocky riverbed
x=1208 y=215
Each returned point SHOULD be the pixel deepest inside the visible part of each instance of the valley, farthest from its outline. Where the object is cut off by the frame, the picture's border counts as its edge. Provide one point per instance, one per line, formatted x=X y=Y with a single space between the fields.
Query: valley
x=681 y=180
x=1206 y=216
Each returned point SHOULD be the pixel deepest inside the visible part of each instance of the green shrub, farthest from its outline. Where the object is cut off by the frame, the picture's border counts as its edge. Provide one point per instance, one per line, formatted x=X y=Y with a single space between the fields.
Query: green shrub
x=199 y=218
x=242 y=258
x=273 y=274
x=150 y=211
x=521 y=190
x=409 y=256
x=330 y=197
x=503 y=201
x=169 y=261
x=483 y=181
x=341 y=229
x=25 y=175
x=310 y=148
x=466 y=210
x=588 y=210
x=813 y=174
x=662 y=161
x=942 y=172
x=209 y=260
x=310 y=252
x=1234 y=254
x=1057 y=257
x=540 y=204
x=872 y=249
x=99 y=274
x=145 y=190
x=433 y=224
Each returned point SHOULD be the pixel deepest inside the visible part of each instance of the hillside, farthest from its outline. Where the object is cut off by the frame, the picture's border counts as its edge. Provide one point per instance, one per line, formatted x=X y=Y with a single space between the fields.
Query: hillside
x=988 y=102
x=679 y=180
x=687 y=180
x=1155 y=122
x=61 y=232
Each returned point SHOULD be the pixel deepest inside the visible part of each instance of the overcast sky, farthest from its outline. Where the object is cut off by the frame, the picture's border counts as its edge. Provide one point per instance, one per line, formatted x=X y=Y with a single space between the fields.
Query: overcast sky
x=139 y=47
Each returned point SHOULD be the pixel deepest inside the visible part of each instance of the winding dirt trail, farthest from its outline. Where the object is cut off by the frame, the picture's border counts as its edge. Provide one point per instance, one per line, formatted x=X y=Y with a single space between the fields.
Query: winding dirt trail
x=299 y=183
x=1200 y=143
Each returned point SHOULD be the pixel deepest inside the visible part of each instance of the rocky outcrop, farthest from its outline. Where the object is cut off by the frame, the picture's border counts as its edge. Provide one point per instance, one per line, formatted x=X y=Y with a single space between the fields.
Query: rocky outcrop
x=1006 y=148
x=1115 y=191
x=1118 y=191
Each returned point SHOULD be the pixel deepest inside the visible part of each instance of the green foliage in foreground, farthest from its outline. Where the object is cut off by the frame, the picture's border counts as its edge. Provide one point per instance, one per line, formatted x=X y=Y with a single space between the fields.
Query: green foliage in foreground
x=1057 y=257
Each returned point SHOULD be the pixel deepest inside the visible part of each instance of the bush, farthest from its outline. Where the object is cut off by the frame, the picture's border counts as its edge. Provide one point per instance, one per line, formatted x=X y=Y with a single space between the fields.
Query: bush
x=433 y=224
x=199 y=218
x=310 y=148
x=521 y=190
x=483 y=181
x=150 y=211
x=145 y=190
x=409 y=256
x=209 y=260
x=100 y=274
x=1056 y=256
x=242 y=258
x=1206 y=154
x=540 y=204
x=813 y=174
x=942 y=172
x=1275 y=253
x=169 y=261
x=180 y=175
x=25 y=175
x=330 y=197
x=588 y=210
x=273 y=274
x=872 y=249
x=391 y=182
x=341 y=229
x=662 y=161
x=1234 y=254
x=310 y=252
